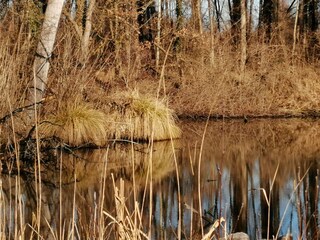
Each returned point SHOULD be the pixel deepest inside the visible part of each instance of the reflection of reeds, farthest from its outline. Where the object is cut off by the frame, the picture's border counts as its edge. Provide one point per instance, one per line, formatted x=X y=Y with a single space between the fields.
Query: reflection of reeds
x=234 y=145
x=3 y=206
x=278 y=149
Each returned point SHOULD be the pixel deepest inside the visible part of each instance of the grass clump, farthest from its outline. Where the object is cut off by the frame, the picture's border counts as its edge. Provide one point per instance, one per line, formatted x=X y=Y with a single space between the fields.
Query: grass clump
x=77 y=124
x=143 y=118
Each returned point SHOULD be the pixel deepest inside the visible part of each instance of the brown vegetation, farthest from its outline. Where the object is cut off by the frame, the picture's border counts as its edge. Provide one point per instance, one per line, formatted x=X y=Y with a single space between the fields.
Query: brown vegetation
x=203 y=77
x=123 y=70
x=76 y=124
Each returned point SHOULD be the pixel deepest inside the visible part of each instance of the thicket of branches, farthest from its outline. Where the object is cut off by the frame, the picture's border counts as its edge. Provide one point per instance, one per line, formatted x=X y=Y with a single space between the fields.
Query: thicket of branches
x=116 y=25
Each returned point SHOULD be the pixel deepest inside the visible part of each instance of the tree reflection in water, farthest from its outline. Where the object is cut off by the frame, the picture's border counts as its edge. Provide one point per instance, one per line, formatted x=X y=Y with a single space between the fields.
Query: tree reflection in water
x=253 y=175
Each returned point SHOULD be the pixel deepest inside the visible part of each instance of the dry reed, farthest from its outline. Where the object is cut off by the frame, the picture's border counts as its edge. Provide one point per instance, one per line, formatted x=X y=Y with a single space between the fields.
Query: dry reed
x=274 y=84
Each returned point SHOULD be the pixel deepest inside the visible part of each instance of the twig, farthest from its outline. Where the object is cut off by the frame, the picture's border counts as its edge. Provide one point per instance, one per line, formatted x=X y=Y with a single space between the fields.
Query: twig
x=18 y=110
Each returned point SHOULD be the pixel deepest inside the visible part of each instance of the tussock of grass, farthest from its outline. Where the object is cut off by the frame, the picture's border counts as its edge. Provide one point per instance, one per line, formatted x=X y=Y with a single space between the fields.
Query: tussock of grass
x=77 y=124
x=143 y=118
x=131 y=116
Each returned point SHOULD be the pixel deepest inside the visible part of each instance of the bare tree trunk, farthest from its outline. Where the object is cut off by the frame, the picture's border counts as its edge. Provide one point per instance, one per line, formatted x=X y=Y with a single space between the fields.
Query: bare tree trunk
x=130 y=40
x=268 y=18
x=295 y=29
x=4 y=4
x=211 y=32
x=146 y=10
x=158 y=34
x=165 y=6
x=313 y=20
x=176 y=43
x=235 y=19
x=87 y=30
x=250 y=19
x=243 y=35
x=44 y=50
x=218 y=14
x=196 y=15
x=311 y=26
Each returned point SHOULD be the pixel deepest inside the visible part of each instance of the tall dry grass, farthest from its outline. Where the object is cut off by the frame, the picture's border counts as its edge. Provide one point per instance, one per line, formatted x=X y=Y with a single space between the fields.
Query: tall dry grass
x=275 y=83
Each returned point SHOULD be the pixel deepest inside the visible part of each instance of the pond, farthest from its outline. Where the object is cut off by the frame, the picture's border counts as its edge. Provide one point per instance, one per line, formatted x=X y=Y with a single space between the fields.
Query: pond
x=260 y=177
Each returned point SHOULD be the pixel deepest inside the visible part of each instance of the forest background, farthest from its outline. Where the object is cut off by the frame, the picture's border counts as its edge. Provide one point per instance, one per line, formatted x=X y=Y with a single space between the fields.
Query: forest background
x=226 y=58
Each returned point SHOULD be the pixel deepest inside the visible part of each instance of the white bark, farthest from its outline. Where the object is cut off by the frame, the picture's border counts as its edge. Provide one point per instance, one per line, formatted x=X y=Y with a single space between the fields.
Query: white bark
x=44 y=50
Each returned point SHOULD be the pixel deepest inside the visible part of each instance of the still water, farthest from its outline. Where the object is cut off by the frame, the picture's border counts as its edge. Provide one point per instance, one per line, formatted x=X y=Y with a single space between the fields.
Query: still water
x=254 y=175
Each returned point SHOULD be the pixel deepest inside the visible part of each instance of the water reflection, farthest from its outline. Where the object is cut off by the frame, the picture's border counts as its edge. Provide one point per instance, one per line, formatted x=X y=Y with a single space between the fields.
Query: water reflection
x=244 y=160
x=254 y=175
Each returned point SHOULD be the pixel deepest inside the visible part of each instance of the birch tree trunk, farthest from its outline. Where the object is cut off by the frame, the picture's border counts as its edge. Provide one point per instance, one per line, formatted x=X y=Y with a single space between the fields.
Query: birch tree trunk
x=41 y=63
